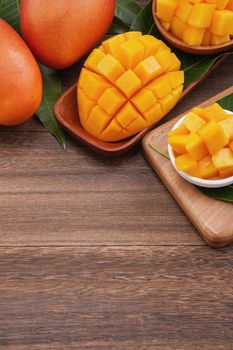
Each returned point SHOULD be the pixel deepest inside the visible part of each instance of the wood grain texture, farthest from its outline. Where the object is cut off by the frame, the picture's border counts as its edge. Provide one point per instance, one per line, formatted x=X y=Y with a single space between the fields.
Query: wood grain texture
x=110 y=298
x=212 y=218
x=95 y=254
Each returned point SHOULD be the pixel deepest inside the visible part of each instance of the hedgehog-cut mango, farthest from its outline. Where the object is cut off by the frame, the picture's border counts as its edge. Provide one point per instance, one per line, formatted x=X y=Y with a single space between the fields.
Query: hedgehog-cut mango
x=127 y=84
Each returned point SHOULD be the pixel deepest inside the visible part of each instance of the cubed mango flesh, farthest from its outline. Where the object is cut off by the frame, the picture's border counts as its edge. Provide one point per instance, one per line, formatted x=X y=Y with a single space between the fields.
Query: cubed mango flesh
x=223 y=159
x=204 y=147
x=227 y=126
x=196 y=147
x=201 y=15
x=220 y=4
x=226 y=172
x=214 y=113
x=166 y=9
x=197 y=22
x=178 y=142
x=128 y=84
x=214 y=136
x=193 y=36
x=193 y=122
x=222 y=23
x=180 y=130
x=207 y=168
x=188 y=165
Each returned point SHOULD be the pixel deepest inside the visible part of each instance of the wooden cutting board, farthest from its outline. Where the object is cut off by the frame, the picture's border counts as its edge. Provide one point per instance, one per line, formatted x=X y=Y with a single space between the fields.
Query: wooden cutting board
x=213 y=219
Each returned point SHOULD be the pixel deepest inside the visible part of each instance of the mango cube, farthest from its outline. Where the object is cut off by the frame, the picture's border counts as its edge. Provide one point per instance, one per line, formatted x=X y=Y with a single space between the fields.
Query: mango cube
x=226 y=172
x=223 y=159
x=110 y=68
x=231 y=145
x=193 y=122
x=193 y=36
x=222 y=22
x=166 y=9
x=183 y=11
x=227 y=126
x=219 y=39
x=214 y=136
x=175 y=78
x=144 y=99
x=220 y=4
x=230 y=5
x=113 y=45
x=214 y=112
x=111 y=100
x=160 y=87
x=201 y=15
x=148 y=69
x=129 y=83
x=177 y=27
x=207 y=168
x=188 y=165
x=166 y=25
x=200 y=112
x=181 y=130
x=178 y=143
x=196 y=147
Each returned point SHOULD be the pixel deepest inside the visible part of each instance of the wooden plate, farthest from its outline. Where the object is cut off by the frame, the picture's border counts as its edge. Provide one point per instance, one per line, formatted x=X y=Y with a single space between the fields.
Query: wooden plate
x=179 y=44
x=212 y=218
x=66 y=112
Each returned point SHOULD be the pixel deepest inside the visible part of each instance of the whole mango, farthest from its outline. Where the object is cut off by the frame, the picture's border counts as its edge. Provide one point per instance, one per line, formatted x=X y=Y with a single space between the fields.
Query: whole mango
x=20 y=78
x=60 y=32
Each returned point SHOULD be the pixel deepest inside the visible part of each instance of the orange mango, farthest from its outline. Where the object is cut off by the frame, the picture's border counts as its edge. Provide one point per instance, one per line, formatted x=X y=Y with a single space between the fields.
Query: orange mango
x=126 y=85
x=21 y=81
x=60 y=32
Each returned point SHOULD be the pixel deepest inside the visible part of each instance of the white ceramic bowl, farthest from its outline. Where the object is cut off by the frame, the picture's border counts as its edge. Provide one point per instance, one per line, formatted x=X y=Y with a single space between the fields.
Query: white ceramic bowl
x=195 y=180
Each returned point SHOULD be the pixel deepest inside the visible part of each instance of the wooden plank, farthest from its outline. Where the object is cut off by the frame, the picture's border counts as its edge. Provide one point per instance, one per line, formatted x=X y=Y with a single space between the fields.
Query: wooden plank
x=52 y=197
x=212 y=218
x=116 y=298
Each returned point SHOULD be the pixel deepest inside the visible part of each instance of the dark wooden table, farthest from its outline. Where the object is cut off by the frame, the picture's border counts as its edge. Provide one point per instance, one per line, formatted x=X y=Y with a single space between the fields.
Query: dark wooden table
x=95 y=253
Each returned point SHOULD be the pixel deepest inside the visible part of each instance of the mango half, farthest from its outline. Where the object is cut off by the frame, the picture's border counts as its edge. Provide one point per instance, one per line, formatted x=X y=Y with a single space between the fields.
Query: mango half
x=127 y=84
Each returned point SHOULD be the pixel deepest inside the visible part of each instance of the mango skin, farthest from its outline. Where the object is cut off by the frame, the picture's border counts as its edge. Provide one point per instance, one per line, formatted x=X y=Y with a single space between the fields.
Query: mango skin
x=60 y=32
x=20 y=78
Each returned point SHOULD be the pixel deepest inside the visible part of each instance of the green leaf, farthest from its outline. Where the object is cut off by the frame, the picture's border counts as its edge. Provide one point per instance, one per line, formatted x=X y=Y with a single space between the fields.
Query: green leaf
x=227 y=102
x=196 y=66
x=118 y=27
x=144 y=21
x=127 y=10
x=158 y=151
x=9 y=11
x=52 y=89
x=223 y=194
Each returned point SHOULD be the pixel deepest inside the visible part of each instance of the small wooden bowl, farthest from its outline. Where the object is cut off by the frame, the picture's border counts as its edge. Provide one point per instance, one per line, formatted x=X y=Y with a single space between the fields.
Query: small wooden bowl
x=179 y=44
x=66 y=112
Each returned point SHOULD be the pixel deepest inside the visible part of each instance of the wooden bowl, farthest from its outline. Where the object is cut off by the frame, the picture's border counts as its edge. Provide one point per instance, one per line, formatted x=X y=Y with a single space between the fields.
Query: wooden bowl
x=66 y=112
x=179 y=44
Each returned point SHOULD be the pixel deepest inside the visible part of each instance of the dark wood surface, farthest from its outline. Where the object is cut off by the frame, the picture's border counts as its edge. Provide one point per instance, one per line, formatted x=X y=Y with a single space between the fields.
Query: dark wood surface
x=95 y=254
